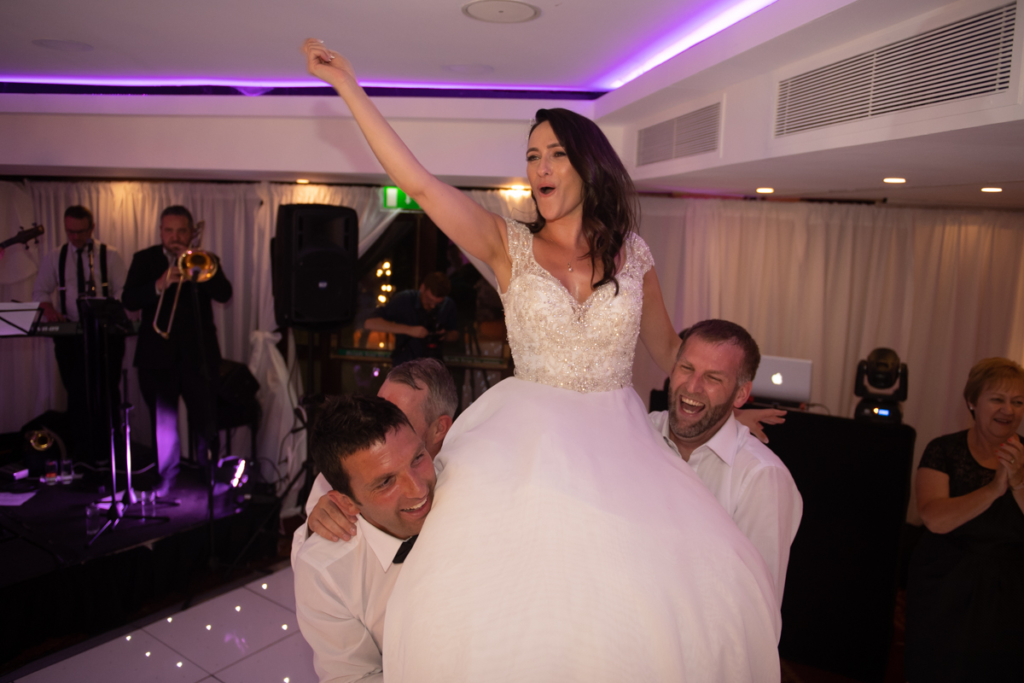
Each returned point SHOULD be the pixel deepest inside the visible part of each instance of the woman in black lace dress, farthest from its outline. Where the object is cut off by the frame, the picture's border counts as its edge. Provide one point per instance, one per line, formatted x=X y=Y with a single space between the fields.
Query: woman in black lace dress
x=965 y=596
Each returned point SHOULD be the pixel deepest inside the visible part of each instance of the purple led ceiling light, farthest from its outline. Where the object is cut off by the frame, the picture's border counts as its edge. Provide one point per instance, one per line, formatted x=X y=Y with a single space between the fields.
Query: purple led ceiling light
x=631 y=69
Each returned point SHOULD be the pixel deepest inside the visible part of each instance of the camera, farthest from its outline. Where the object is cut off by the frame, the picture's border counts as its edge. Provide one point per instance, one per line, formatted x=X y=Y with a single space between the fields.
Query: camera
x=432 y=342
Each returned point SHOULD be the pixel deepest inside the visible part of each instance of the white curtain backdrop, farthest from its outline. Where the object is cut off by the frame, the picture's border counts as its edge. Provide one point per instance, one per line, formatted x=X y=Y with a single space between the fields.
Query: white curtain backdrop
x=27 y=381
x=831 y=282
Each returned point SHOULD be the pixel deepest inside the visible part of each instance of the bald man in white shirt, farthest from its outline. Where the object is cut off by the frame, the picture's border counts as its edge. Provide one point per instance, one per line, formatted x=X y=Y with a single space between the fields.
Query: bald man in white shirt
x=712 y=375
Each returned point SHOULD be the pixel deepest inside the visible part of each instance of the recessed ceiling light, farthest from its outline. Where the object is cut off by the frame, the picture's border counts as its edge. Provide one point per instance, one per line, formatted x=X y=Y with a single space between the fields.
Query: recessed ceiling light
x=894 y=181
x=469 y=69
x=62 y=45
x=300 y=181
x=501 y=11
x=765 y=190
x=991 y=189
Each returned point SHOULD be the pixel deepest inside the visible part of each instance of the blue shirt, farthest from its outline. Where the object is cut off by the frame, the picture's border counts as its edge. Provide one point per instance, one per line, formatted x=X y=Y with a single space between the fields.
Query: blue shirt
x=405 y=308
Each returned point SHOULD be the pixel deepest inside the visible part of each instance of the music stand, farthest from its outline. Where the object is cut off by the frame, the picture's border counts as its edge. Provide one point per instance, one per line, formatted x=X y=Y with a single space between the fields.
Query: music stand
x=100 y=318
x=18 y=319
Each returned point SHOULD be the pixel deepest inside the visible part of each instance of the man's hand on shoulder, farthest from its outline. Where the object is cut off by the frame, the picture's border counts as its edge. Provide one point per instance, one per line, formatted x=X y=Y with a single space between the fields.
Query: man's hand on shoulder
x=754 y=420
x=329 y=521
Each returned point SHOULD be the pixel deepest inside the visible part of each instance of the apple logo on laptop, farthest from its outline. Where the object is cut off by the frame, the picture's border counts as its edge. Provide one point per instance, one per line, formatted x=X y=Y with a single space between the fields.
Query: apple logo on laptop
x=777 y=378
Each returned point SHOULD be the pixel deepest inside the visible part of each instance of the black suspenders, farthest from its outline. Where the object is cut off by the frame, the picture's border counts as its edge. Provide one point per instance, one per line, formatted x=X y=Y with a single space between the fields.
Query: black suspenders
x=103 y=270
x=60 y=276
x=105 y=282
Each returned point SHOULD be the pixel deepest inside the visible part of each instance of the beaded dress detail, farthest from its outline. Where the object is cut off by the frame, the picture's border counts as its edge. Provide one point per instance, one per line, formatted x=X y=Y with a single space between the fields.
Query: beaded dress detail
x=560 y=342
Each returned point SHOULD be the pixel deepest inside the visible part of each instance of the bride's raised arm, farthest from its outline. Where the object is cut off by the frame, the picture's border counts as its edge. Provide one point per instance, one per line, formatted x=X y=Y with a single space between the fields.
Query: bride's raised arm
x=474 y=229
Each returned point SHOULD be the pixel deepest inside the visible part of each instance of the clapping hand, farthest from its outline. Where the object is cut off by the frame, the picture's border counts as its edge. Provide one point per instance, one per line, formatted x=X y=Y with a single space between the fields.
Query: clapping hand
x=327 y=65
x=1011 y=458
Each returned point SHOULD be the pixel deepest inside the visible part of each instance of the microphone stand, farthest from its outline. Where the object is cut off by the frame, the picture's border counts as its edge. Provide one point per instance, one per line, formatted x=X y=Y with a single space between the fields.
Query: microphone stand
x=211 y=411
x=96 y=315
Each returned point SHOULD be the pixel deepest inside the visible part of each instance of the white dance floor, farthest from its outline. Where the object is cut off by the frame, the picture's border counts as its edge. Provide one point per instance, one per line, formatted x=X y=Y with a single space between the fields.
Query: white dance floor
x=248 y=635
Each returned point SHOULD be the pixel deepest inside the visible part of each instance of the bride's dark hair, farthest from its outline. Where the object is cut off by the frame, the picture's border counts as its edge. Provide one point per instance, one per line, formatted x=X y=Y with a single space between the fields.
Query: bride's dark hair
x=610 y=206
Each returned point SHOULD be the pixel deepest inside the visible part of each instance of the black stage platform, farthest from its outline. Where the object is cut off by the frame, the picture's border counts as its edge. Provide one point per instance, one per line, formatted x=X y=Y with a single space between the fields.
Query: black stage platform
x=54 y=590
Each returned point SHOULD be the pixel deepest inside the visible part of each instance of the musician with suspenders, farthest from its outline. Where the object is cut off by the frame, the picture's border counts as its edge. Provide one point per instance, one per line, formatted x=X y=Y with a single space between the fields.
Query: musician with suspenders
x=82 y=267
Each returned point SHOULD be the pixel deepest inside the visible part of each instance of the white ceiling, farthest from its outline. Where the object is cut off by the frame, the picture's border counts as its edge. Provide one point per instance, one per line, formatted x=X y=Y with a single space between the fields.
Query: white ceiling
x=944 y=169
x=573 y=45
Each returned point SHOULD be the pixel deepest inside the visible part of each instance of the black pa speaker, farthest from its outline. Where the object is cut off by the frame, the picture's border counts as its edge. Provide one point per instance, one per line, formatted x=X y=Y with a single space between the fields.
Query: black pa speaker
x=314 y=265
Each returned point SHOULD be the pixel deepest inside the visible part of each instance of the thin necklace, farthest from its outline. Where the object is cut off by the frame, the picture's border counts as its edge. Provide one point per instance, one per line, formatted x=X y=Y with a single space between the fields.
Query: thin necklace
x=569 y=263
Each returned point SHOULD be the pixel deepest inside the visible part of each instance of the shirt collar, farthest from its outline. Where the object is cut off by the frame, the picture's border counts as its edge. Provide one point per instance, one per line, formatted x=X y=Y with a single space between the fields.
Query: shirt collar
x=724 y=443
x=666 y=432
x=383 y=544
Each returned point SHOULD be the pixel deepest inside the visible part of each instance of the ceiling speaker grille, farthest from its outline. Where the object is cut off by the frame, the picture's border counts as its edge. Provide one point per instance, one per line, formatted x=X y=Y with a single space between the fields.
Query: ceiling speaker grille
x=693 y=133
x=967 y=58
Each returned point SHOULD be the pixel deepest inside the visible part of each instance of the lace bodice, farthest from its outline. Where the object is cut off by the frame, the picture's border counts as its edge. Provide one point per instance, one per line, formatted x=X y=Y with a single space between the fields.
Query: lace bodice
x=559 y=342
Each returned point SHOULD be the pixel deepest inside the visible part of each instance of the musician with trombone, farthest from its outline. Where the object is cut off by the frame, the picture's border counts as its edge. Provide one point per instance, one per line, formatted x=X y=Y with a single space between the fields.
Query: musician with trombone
x=176 y=339
x=82 y=267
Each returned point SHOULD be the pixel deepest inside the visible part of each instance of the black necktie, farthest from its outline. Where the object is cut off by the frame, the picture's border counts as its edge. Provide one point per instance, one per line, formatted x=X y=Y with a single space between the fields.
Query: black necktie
x=403 y=551
x=81 y=275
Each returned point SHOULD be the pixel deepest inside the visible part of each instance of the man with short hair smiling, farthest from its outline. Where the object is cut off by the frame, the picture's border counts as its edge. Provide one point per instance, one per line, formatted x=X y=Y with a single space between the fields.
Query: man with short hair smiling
x=713 y=373
x=423 y=389
x=369 y=453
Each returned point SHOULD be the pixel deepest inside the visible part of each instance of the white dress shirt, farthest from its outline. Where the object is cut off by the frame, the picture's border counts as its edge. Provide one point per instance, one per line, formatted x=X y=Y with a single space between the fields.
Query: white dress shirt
x=341 y=595
x=753 y=485
x=48 y=280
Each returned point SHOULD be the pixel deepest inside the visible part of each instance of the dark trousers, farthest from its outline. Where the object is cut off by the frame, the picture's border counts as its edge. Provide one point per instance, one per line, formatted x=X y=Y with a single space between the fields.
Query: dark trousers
x=89 y=431
x=161 y=389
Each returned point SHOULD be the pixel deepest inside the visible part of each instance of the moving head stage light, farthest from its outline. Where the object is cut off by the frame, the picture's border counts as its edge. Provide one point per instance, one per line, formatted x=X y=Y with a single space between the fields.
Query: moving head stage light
x=882 y=382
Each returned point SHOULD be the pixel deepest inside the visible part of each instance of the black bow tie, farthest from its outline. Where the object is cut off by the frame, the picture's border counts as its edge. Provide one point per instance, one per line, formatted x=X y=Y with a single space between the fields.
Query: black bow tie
x=403 y=551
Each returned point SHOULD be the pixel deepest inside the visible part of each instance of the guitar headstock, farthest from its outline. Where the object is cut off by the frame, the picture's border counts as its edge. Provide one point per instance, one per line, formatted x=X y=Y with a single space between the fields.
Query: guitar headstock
x=24 y=236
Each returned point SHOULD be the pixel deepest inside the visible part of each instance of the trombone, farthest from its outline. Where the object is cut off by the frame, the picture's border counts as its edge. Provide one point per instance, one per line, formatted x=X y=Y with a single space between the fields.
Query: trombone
x=194 y=265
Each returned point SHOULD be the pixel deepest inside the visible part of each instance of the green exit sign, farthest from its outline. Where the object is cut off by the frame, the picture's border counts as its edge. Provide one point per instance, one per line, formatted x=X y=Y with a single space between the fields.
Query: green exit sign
x=395 y=198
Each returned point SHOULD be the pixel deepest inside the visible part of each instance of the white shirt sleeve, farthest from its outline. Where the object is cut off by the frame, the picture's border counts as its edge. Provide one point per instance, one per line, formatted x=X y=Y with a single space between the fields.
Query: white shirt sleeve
x=343 y=648
x=768 y=512
x=46 y=280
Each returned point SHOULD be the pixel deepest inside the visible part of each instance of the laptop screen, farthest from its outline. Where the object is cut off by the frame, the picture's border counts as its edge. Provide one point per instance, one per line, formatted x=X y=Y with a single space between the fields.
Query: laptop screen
x=783 y=379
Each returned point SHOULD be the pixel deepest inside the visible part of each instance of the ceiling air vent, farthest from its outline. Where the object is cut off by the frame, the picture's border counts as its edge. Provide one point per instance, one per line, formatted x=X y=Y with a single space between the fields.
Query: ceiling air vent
x=967 y=58
x=693 y=133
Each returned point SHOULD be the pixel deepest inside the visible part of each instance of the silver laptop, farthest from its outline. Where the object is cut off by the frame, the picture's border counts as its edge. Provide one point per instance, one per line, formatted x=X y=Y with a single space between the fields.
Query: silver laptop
x=783 y=379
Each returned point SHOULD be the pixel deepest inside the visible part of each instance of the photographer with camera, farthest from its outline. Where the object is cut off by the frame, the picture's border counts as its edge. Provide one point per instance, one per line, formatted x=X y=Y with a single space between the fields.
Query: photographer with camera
x=420 y=319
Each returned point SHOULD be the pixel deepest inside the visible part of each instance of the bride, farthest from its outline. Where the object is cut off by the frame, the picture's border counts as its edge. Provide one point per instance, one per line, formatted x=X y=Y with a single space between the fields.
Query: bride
x=566 y=542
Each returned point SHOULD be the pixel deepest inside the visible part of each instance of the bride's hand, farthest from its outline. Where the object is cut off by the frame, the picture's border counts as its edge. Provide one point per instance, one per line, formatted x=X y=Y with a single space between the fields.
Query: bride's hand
x=327 y=65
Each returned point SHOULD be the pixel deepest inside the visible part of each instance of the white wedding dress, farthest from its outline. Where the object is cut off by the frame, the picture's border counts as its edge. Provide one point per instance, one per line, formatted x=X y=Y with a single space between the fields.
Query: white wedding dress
x=566 y=541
